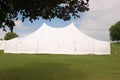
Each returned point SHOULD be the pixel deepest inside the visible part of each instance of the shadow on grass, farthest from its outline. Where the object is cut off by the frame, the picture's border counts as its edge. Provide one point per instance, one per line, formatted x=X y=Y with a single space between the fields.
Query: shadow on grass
x=42 y=71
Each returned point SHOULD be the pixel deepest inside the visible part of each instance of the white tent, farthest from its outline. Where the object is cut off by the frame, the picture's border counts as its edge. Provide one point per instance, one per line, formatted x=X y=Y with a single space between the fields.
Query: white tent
x=1 y=45
x=10 y=46
x=49 y=40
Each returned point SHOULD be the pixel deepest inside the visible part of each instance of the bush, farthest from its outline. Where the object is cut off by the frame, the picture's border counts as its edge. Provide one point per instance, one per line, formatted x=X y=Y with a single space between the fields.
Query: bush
x=115 y=32
x=10 y=35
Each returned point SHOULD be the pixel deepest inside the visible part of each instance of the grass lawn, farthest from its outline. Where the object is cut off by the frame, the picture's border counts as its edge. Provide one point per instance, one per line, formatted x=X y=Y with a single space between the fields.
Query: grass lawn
x=61 y=67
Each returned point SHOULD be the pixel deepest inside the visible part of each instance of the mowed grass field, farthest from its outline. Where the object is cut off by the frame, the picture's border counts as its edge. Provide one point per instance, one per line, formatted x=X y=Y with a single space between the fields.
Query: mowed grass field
x=61 y=67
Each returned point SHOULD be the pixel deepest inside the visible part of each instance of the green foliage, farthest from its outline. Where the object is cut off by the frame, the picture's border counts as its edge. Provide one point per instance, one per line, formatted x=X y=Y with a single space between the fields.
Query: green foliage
x=34 y=9
x=10 y=35
x=115 y=32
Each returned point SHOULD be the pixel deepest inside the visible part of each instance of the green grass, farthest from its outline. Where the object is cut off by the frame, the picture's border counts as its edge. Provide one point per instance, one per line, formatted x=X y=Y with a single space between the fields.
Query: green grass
x=115 y=49
x=61 y=67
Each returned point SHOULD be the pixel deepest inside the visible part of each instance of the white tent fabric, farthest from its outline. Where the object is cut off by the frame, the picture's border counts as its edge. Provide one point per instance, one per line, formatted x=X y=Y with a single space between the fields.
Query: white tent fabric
x=1 y=45
x=49 y=40
x=10 y=46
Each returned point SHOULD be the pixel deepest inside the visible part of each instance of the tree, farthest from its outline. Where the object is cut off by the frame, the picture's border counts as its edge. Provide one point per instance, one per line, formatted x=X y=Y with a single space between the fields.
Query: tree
x=10 y=35
x=115 y=32
x=34 y=9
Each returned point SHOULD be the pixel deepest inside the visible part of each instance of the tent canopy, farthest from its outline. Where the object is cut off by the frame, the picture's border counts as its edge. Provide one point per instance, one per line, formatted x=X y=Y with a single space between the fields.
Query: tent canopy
x=66 y=40
x=1 y=45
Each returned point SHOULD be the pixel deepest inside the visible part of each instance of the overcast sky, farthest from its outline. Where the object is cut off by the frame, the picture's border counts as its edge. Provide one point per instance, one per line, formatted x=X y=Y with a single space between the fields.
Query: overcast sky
x=95 y=23
x=102 y=14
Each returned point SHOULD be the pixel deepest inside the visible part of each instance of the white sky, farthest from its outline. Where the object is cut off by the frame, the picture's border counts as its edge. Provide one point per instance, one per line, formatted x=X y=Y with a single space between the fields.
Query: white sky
x=95 y=23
